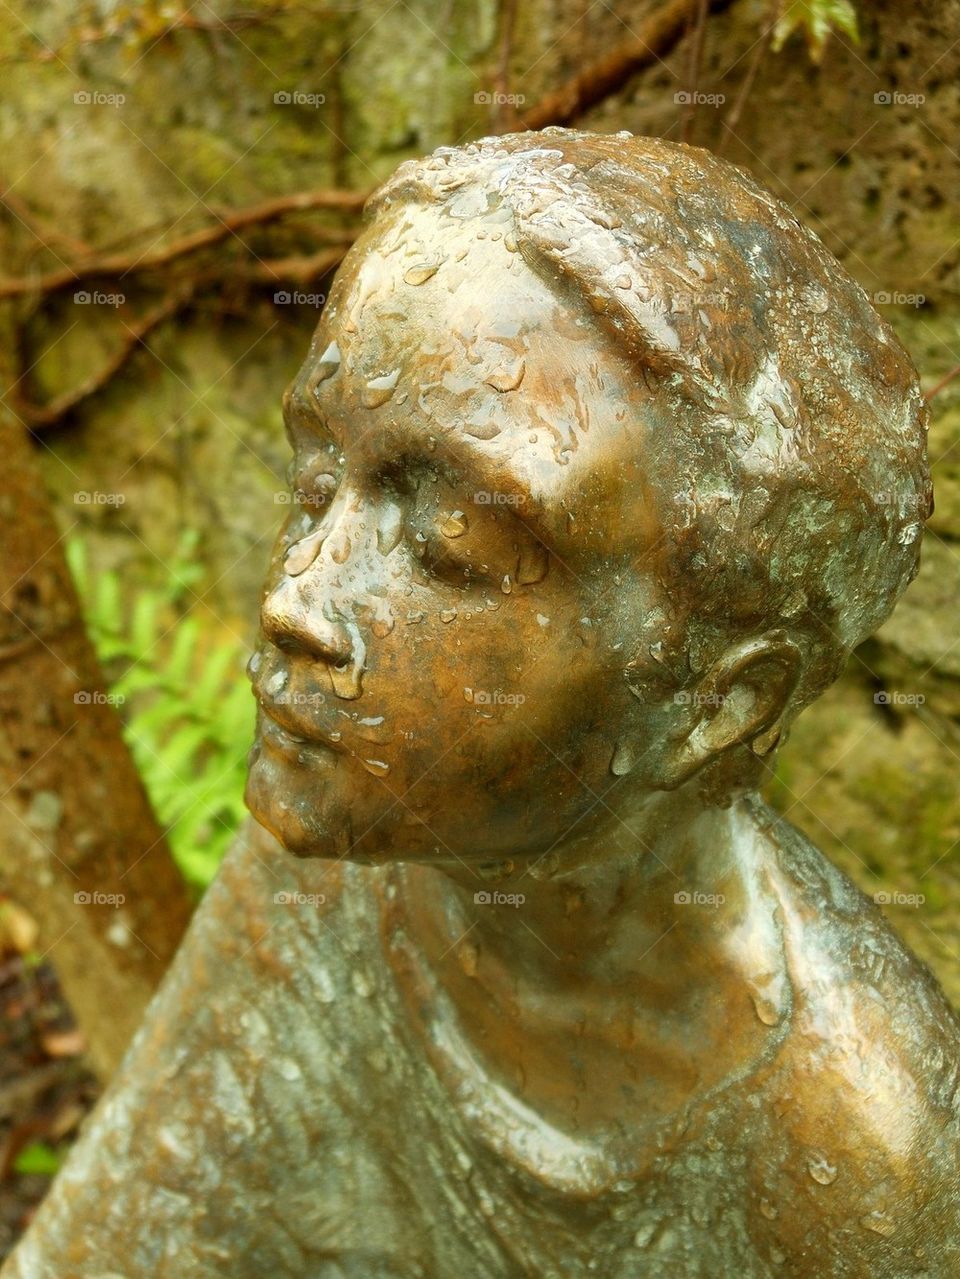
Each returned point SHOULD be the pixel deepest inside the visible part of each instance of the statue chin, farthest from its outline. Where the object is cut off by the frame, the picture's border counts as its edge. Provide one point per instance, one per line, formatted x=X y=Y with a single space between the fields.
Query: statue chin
x=307 y=811
x=304 y=827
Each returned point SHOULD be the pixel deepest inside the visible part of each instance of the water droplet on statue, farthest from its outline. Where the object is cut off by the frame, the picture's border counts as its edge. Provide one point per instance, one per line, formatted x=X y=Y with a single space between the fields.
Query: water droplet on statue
x=254 y=663
x=379 y=389
x=326 y=991
x=361 y=983
x=448 y=614
x=508 y=379
x=482 y=430
x=389 y=528
x=455 y=524
x=383 y=623
x=821 y=1170
x=768 y=1209
x=468 y=954
x=414 y=616
x=506 y=585
x=327 y=365
x=340 y=550
x=624 y=758
x=346 y=681
x=533 y=564
x=644 y=1234
x=587 y=632
x=276 y=683
x=766 y=1009
x=420 y=272
x=545 y=866
x=880 y=1223
x=377 y=767
x=289 y=1069
x=815 y=299
x=303 y=553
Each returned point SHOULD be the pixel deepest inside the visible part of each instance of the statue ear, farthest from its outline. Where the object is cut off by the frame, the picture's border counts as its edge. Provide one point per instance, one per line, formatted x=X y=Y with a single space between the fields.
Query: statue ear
x=740 y=700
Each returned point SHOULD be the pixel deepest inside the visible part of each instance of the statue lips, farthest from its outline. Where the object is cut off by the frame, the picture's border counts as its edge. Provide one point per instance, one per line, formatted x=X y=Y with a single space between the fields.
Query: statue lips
x=282 y=729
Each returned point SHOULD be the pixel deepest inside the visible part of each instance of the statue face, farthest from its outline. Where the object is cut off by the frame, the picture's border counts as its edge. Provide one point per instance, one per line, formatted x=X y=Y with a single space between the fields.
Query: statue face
x=473 y=556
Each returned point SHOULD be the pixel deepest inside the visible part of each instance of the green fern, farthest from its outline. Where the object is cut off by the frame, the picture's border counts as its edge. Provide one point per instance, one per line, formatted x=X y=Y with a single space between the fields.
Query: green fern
x=187 y=711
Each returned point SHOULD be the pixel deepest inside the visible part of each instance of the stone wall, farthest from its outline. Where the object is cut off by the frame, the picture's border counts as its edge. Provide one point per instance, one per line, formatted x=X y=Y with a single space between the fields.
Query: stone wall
x=191 y=435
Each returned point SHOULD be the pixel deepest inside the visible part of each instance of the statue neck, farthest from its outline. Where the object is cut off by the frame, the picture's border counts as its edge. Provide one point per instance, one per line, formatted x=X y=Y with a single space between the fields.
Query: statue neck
x=642 y=967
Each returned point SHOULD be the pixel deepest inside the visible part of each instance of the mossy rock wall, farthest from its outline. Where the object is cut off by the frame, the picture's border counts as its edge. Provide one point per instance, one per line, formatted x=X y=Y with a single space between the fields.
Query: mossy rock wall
x=191 y=436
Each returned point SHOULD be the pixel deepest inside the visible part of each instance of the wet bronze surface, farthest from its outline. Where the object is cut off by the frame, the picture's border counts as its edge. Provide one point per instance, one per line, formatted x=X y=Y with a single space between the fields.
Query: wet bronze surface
x=602 y=467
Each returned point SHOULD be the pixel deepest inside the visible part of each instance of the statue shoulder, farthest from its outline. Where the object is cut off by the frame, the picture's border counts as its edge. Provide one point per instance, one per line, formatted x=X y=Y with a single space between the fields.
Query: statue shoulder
x=868 y=1082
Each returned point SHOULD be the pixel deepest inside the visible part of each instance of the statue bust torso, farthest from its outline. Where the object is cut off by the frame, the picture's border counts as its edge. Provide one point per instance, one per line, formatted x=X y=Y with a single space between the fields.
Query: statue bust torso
x=334 y=1129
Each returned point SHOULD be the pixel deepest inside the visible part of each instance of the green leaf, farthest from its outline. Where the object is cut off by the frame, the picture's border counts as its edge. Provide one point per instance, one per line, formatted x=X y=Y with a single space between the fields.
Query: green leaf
x=182 y=654
x=817 y=19
x=178 y=753
x=188 y=713
x=144 y=628
x=75 y=554
x=37 y=1159
x=209 y=688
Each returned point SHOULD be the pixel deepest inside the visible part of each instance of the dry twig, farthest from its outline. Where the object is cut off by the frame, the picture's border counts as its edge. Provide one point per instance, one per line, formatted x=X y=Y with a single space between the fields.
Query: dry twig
x=657 y=35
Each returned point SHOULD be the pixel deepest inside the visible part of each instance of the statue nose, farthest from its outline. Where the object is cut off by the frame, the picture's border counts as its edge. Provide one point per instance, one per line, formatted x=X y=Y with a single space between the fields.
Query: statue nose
x=298 y=624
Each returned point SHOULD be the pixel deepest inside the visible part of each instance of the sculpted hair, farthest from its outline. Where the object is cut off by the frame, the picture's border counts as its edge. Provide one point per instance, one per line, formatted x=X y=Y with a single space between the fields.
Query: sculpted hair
x=794 y=482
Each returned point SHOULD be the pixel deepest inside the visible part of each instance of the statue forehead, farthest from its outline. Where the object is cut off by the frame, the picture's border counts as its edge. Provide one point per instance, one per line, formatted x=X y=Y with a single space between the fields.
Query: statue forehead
x=445 y=303
x=440 y=335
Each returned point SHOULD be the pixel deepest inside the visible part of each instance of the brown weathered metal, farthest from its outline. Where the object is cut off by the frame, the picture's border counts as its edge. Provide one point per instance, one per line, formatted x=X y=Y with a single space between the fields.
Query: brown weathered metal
x=602 y=466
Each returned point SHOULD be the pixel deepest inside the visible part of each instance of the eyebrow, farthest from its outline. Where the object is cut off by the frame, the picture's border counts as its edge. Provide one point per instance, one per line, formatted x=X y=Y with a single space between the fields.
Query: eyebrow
x=472 y=473
x=464 y=466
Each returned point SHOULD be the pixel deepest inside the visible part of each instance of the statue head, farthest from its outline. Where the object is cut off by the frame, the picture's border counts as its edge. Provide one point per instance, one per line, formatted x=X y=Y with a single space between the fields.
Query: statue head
x=602 y=466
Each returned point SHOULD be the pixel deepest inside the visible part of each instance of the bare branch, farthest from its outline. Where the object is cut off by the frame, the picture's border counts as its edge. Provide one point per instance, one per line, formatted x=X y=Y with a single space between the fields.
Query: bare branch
x=120 y=264
x=657 y=35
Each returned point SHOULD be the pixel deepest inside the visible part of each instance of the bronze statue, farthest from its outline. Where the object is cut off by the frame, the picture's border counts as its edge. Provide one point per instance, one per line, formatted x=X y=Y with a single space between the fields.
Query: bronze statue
x=603 y=465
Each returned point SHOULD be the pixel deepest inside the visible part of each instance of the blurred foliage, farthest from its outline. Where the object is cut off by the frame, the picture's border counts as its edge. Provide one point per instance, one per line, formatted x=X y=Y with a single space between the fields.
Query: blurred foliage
x=817 y=20
x=186 y=708
x=37 y=1159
